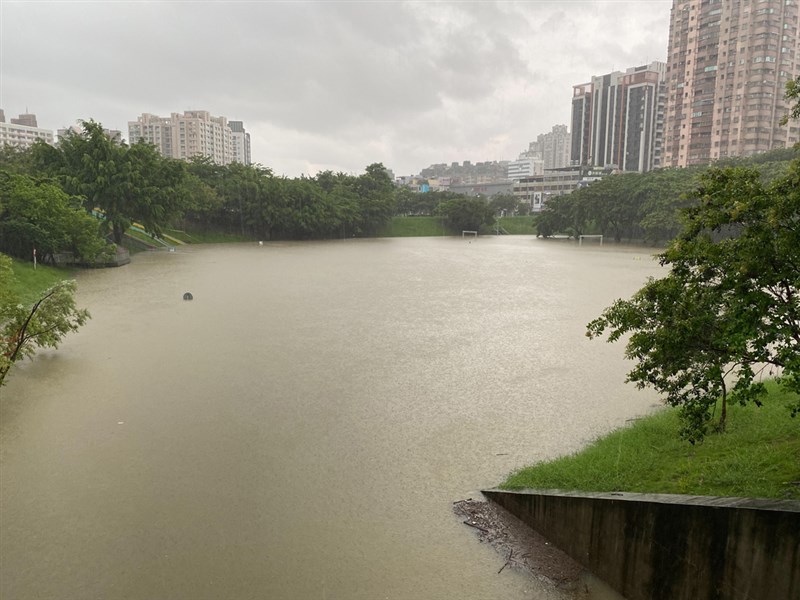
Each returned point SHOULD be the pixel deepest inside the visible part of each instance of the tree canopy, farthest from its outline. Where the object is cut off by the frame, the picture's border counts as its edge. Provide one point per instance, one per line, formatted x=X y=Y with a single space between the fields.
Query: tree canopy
x=24 y=329
x=728 y=313
x=39 y=215
x=125 y=183
x=642 y=206
x=792 y=95
x=466 y=213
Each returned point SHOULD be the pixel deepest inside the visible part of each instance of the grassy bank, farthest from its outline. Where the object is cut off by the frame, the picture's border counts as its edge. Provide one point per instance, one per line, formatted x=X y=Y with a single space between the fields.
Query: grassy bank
x=433 y=226
x=759 y=456
x=414 y=227
x=518 y=225
x=30 y=282
x=206 y=237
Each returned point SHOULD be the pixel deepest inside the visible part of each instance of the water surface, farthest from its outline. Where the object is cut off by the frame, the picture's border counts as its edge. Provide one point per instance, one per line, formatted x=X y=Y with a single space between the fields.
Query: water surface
x=301 y=428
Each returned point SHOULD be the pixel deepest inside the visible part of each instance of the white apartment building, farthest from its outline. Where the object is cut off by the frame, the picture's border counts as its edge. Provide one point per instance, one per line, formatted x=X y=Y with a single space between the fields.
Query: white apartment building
x=17 y=134
x=524 y=167
x=193 y=133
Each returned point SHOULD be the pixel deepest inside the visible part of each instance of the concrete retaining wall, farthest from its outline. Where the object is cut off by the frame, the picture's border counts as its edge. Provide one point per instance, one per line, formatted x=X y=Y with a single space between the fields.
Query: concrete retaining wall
x=667 y=547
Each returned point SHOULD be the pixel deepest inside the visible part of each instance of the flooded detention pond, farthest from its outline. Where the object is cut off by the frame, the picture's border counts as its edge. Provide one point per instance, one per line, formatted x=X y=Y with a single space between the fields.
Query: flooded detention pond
x=301 y=428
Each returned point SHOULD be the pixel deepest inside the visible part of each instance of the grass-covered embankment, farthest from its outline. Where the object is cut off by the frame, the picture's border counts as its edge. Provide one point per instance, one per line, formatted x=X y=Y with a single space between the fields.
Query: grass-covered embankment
x=758 y=456
x=414 y=227
x=433 y=226
x=30 y=282
x=518 y=225
x=206 y=237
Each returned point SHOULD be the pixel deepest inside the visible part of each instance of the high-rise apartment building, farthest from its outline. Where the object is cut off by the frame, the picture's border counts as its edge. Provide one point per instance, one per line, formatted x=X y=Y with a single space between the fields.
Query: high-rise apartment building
x=618 y=119
x=241 y=142
x=193 y=133
x=153 y=130
x=552 y=148
x=728 y=64
x=18 y=133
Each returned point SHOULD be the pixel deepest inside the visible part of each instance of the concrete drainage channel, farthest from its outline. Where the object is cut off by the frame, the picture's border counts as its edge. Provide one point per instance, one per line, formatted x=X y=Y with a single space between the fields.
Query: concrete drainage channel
x=671 y=547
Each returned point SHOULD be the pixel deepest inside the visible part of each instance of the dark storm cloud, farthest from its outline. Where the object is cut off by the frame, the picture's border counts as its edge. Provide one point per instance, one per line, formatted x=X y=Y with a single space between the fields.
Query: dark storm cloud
x=326 y=84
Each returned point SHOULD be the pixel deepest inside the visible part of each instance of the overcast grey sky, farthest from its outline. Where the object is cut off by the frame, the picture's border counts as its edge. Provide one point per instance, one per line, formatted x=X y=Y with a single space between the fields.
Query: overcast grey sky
x=326 y=85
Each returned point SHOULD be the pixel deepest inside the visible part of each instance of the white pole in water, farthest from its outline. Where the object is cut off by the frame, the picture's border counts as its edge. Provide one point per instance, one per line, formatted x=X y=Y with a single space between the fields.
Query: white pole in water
x=34 y=259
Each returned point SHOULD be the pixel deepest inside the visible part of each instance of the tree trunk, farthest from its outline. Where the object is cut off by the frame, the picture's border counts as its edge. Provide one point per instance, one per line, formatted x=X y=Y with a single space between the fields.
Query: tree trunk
x=118 y=234
x=723 y=414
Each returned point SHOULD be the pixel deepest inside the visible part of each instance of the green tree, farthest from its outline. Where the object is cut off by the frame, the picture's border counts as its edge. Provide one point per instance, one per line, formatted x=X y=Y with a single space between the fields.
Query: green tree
x=614 y=205
x=152 y=189
x=467 y=213
x=406 y=201
x=567 y=214
x=504 y=204
x=792 y=95
x=729 y=310
x=126 y=183
x=24 y=329
x=16 y=159
x=662 y=193
x=38 y=214
x=375 y=193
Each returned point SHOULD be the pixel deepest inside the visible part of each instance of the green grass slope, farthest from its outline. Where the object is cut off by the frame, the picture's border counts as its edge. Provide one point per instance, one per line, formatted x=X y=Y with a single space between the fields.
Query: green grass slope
x=758 y=456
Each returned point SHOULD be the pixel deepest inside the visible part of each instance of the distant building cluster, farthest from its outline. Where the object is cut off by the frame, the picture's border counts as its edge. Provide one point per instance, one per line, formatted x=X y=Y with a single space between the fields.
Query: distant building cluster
x=181 y=136
x=720 y=93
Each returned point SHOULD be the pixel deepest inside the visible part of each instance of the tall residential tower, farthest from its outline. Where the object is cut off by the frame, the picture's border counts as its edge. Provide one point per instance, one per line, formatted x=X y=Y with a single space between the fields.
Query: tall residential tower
x=241 y=142
x=727 y=67
x=618 y=119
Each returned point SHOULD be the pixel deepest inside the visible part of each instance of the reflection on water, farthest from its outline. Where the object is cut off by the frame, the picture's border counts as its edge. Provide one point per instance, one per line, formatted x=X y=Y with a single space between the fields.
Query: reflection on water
x=302 y=427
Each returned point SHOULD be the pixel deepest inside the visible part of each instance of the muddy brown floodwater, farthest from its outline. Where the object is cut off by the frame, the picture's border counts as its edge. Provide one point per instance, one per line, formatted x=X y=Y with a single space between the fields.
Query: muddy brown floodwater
x=302 y=427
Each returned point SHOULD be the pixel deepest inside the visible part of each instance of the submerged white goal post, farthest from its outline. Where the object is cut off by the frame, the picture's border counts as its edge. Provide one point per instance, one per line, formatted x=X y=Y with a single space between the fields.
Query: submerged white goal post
x=465 y=232
x=580 y=238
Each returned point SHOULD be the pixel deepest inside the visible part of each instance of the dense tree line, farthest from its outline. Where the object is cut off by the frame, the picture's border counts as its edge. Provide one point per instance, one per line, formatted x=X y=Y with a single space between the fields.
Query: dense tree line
x=89 y=173
x=252 y=201
x=121 y=184
x=642 y=206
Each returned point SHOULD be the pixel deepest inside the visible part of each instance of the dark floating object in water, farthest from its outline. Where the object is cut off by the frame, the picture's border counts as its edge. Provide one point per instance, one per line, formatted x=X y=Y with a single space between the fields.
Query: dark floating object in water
x=188 y=296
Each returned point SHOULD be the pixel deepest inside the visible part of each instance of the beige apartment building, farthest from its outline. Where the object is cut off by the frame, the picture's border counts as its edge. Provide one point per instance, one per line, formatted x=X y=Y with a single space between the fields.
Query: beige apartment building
x=727 y=67
x=193 y=133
